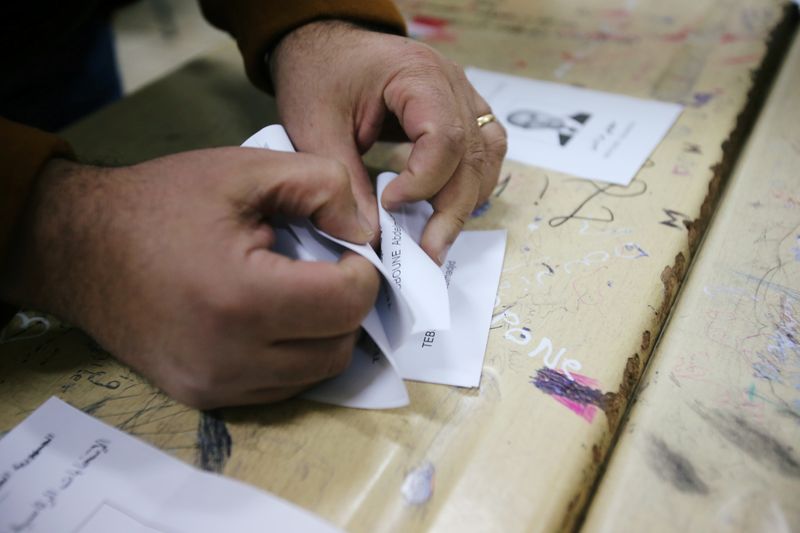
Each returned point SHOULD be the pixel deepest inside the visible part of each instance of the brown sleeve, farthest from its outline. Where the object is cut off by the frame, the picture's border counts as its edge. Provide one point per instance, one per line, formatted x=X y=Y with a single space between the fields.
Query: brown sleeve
x=23 y=153
x=257 y=25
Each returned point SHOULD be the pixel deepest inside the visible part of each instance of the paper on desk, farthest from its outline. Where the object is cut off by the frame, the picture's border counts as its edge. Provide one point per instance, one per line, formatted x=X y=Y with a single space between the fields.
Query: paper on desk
x=415 y=303
x=62 y=470
x=455 y=356
x=589 y=134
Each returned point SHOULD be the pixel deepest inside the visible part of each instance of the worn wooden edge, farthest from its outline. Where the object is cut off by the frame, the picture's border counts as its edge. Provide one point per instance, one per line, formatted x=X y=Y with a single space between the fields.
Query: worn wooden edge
x=763 y=78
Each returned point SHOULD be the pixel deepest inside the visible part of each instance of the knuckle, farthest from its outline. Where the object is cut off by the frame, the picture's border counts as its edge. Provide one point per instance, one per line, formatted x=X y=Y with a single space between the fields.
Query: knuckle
x=332 y=180
x=458 y=72
x=337 y=178
x=460 y=217
x=423 y=69
x=424 y=57
x=422 y=83
x=497 y=145
x=454 y=137
x=454 y=215
x=475 y=164
x=456 y=212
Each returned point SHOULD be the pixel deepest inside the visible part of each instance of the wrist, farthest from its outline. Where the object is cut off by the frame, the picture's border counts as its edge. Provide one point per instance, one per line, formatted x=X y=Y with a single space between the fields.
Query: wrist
x=41 y=268
x=304 y=41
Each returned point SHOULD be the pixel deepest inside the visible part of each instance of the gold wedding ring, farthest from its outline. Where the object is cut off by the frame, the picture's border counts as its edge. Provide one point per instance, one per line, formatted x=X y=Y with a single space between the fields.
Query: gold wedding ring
x=485 y=119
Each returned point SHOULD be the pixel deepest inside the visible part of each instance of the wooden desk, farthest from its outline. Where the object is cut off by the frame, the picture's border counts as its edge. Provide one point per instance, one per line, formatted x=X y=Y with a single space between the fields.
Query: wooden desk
x=713 y=441
x=590 y=273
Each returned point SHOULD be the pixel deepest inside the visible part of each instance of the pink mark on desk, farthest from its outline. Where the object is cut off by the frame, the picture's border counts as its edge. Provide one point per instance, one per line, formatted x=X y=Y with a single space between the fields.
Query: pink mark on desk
x=677 y=36
x=615 y=13
x=436 y=22
x=579 y=395
x=740 y=60
x=431 y=29
x=729 y=37
x=680 y=170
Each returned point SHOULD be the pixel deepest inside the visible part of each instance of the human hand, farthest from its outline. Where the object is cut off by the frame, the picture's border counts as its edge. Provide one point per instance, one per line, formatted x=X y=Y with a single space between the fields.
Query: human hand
x=167 y=265
x=338 y=85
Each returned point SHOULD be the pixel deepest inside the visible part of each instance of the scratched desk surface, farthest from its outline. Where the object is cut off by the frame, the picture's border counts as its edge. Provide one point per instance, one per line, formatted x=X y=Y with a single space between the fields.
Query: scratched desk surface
x=590 y=273
x=713 y=441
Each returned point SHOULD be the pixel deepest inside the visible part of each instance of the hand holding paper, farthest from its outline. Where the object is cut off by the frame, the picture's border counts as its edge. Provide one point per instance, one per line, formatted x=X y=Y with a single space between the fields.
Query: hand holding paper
x=166 y=264
x=430 y=323
x=382 y=82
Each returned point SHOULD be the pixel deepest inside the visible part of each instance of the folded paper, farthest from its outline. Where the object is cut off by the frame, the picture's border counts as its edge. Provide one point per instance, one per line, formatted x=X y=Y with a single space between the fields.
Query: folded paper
x=429 y=323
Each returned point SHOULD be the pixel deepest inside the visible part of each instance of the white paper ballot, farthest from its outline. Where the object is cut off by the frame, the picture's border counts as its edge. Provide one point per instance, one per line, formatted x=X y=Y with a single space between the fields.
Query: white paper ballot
x=437 y=321
x=63 y=470
x=589 y=134
x=455 y=356
x=417 y=277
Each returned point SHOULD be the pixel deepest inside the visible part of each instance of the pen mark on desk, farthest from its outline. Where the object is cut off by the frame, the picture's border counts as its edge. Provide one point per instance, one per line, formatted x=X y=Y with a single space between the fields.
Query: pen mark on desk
x=634 y=189
x=782 y=355
x=481 y=209
x=762 y=285
x=674 y=216
x=544 y=189
x=154 y=404
x=24 y=327
x=577 y=394
x=700 y=99
x=502 y=185
x=213 y=442
x=692 y=148
x=93 y=407
x=674 y=468
x=753 y=441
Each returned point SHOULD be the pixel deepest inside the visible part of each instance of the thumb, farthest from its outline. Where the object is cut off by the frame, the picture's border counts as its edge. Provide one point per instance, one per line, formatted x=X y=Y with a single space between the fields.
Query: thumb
x=310 y=186
x=331 y=137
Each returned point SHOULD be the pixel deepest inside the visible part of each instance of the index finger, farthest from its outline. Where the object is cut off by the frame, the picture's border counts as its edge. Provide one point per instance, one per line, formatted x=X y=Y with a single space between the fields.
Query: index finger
x=428 y=113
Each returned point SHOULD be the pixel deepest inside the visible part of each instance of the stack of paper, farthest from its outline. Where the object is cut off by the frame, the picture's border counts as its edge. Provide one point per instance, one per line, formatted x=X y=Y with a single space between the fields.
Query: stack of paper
x=429 y=323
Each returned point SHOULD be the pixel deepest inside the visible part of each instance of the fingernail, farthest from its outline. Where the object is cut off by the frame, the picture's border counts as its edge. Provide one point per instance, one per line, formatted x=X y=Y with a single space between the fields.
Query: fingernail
x=443 y=255
x=365 y=225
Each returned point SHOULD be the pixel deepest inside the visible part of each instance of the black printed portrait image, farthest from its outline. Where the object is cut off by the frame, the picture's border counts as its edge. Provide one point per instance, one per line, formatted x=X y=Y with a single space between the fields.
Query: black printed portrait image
x=563 y=128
